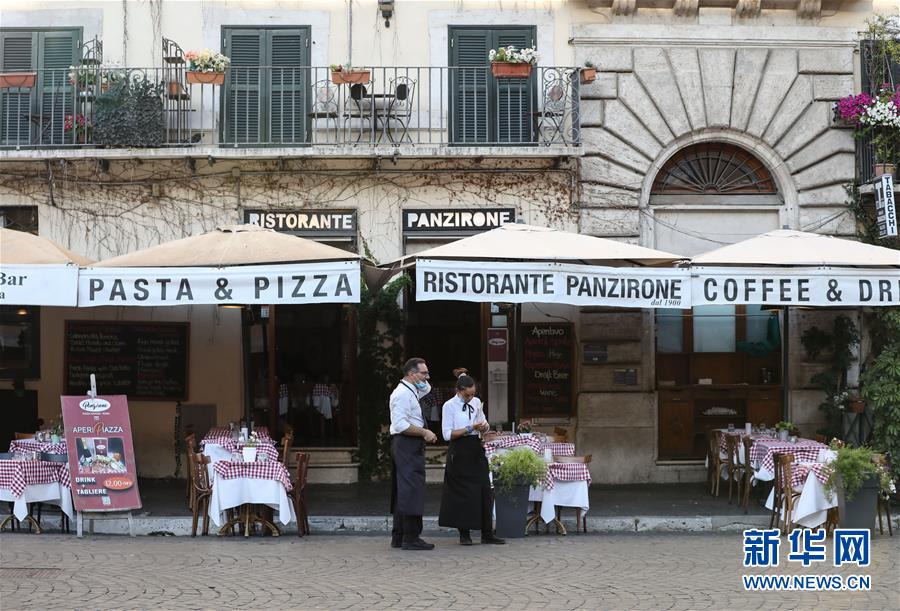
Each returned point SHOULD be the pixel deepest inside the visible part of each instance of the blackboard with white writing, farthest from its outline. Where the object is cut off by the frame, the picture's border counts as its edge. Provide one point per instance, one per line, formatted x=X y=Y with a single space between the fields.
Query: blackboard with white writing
x=548 y=372
x=144 y=360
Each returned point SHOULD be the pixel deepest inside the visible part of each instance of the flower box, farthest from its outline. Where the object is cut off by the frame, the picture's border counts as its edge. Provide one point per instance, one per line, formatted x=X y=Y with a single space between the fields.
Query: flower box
x=351 y=77
x=249 y=453
x=205 y=78
x=883 y=168
x=511 y=70
x=10 y=80
x=588 y=75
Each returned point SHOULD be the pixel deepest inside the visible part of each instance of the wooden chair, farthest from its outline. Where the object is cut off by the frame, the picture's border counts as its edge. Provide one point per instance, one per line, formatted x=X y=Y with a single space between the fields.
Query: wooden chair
x=24 y=435
x=559 y=431
x=785 y=494
x=884 y=497
x=713 y=462
x=286 y=442
x=735 y=466
x=580 y=520
x=202 y=491
x=749 y=471
x=190 y=447
x=723 y=464
x=298 y=493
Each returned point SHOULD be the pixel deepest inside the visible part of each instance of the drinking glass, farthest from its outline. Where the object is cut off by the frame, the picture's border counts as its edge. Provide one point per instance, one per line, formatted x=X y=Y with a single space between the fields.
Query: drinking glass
x=763 y=429
x=261 y=456
x=731 y=427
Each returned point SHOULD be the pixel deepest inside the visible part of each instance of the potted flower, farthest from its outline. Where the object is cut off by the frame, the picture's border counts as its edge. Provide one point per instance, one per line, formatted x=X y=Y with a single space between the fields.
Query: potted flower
x=514 y=472
x=56 y=431
x=347 y=75
x=77 y=128
x=249 y=449
x=877 y=116
x=524 y=428
x=509 y=62
x=855 y=403
x=83 y=78
x=206 y=67
x=588 y=73
x=855 y=477
x=784 y=429
x=15 y=80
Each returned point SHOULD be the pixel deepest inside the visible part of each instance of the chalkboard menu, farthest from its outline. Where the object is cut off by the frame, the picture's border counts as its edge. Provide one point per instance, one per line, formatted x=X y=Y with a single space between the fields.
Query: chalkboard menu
x=144 y=360
x=548 y=372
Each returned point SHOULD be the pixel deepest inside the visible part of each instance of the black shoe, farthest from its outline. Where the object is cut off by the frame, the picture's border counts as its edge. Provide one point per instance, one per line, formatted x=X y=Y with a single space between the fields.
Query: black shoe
x=396 y=543
x=465 y=540
x=418 y=544
x=495 y=540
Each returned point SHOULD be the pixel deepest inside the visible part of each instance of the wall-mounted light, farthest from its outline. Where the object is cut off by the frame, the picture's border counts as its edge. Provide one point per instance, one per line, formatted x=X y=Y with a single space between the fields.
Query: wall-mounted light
x=386 y=8
x=22 y=311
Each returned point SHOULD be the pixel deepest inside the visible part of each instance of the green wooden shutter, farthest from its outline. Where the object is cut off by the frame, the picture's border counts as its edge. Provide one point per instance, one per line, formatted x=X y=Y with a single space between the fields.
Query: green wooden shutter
x=288 y=56
x=514 y=97
x=57 y=51
x=17 y=48
x=241 y=116
x=469 y=80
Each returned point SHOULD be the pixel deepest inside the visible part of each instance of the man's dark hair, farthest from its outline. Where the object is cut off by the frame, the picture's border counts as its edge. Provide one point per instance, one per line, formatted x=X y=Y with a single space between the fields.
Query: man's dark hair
x=412 y=365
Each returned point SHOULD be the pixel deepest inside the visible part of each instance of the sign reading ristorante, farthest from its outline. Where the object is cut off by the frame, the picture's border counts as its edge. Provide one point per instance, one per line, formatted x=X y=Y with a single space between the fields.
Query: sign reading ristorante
x=332 y=222
x=455 y=220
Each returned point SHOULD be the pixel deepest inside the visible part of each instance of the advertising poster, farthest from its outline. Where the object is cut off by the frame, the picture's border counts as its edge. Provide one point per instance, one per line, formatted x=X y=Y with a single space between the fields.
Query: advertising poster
x=101 y=453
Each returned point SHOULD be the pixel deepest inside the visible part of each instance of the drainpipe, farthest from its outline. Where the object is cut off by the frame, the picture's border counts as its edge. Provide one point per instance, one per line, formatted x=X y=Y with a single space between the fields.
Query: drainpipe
x=350 y=32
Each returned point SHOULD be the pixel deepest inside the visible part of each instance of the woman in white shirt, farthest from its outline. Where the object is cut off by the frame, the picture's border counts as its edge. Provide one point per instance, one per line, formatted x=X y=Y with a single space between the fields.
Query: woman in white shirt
x=466 y=501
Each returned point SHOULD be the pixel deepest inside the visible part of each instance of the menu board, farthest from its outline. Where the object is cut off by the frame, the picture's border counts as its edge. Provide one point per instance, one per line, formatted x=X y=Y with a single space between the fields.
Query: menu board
x=101 y=453
x=548 y=372
x=145 y=360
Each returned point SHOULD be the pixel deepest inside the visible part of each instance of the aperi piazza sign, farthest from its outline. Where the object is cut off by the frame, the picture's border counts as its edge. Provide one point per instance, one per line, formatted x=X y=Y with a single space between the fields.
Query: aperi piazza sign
x=641 y=287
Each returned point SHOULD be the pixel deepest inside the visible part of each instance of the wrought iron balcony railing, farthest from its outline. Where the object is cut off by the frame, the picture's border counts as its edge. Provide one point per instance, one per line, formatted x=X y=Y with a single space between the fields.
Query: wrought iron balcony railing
x=288 y=106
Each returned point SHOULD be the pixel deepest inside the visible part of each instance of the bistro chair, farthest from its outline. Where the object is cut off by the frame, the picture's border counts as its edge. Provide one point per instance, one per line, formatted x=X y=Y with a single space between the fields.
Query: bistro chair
x=190 y=447
x=202 y=491
x=555 y=100
x=403 y=89
x=12 y=520
x=884 y=497
x=562 y=433
x=286 y=442
x=723 y=465
x=735 y=467
x=785 y=494
x=749 y=471
x=298 y=493
x=24 y=436
x=324 y=107
x=580 y=519
x=713 y=461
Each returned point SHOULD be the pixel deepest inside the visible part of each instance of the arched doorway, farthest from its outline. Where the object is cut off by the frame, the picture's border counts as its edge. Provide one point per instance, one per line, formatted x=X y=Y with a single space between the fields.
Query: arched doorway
x=715 y=365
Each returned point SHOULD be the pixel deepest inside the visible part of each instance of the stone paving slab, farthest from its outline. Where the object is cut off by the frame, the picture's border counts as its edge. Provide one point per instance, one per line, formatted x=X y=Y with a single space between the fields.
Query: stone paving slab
x=617 y=571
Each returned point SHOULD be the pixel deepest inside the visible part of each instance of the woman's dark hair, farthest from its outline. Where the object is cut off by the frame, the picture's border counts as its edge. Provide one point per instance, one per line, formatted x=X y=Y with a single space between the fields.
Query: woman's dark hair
x=463 y=379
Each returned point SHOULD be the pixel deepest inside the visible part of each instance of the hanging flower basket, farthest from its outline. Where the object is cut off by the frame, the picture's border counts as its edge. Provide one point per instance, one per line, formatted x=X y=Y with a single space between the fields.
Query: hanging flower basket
x=588 y=75
x=205 y=78
x=11 y=80
x=351 y=77
x=511 y=70
x=857 y=406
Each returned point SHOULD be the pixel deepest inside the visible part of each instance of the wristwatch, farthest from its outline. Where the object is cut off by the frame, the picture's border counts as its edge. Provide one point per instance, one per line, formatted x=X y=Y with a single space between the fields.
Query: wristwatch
x=469 y=428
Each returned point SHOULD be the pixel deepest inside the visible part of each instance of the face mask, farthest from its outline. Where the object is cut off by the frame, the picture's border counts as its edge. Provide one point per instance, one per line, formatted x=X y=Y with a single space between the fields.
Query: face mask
x=421 y=385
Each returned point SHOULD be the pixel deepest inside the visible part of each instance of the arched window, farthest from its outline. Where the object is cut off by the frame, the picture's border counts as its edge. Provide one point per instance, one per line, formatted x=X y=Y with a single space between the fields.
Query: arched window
x=713 y=168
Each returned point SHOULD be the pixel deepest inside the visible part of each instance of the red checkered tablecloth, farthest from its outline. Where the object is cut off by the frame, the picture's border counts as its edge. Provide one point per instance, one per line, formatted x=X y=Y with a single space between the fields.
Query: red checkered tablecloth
x=723 y=449
x=22 y=446
x=800 y=472
x=560 y=448
x=224 y=438
x=566 y=472
x=513 y=441
x=254 y=470
x=763 y=451
x=16 y=475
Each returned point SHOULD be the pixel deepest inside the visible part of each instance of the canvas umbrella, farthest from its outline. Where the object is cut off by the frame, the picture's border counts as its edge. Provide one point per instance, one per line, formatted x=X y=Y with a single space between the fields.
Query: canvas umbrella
x=795 y=268
x=519 y=263
x=37 y=271
x=237 y=264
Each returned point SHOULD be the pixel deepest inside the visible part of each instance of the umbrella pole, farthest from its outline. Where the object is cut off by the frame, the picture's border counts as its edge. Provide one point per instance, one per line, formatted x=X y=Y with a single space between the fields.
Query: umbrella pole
x=785 y=364
x=517 y=365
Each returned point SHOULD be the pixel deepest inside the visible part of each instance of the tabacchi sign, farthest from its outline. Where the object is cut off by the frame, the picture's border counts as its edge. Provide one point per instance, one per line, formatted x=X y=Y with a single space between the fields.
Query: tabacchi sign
x=101 y=453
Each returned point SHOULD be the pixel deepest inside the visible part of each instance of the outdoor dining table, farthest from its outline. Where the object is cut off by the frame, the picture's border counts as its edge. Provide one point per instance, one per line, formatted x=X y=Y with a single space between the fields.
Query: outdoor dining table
x=811 y=508
x=566 y=486
x=508 y=442
x=220 y=443
x=763 y=451
x=33 y=481
x=250 y=483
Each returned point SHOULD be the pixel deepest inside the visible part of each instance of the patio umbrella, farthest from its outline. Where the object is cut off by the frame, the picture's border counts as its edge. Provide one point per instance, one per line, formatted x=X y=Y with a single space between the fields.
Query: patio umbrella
x=795 y=268
x=237 y=264
x=519 y=263
x=37 y=271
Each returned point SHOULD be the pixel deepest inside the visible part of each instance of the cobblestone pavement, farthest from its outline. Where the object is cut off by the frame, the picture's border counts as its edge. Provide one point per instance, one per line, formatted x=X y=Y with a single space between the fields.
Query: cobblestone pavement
x=594 y=571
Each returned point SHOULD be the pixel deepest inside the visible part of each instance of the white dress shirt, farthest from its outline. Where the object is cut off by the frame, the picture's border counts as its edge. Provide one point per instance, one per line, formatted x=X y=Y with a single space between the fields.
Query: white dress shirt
x=405 y=408
x=456 y=416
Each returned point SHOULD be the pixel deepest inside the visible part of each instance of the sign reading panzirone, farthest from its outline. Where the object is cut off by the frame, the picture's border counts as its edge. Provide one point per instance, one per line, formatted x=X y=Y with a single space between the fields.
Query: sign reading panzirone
x=796 y=287
x=484 y=281
x=326 y=282
x=51 y=285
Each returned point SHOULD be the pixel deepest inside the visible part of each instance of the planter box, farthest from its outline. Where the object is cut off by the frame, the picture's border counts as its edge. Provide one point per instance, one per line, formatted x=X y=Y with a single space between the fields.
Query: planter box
x=883 y=168
x=249 y=454
x=588 y=75
x=351 y=77
x=511 y=70
x=205 y=78
x=863 y=509
x=512 y=511
x=11 y=80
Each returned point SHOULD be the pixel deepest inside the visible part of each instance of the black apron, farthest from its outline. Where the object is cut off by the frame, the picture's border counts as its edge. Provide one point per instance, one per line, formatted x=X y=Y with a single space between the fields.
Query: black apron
x=467 y=486
x=408 y=474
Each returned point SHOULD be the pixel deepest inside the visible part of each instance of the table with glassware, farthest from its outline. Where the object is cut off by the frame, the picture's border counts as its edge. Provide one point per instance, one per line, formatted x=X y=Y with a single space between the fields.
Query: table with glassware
x=221 y=443
x=46 y=446
x=26 y=479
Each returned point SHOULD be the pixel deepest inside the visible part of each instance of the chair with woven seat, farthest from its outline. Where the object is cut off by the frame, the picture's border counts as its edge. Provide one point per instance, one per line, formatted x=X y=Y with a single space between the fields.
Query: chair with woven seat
x=713 y=462
x=190 y=447
x=199 y=477
x=724 y=464
x=735 y=467
x=24 y=436
x=286 y=442
x=884 y=496
x=561 y=434
x=298 y=493
x=785 y=494
x=580 y=519
x=749 y=471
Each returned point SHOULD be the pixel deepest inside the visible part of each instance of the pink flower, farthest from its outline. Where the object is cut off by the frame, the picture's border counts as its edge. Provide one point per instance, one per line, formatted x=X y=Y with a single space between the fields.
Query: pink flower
x=852 y=107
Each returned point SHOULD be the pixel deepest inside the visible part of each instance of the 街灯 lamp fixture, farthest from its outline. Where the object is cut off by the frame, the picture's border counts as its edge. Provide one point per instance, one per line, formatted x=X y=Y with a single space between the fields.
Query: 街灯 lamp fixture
x=386 y=8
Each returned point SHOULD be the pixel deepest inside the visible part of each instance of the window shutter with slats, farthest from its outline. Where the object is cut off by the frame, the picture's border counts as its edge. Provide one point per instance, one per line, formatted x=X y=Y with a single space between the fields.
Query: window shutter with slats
x=289 y=84
x=57 y=51
x=241 y=117
x=17 y=48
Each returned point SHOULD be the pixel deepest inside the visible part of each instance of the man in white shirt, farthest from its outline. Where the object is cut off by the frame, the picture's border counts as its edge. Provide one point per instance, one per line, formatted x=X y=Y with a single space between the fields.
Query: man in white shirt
x=408 y=438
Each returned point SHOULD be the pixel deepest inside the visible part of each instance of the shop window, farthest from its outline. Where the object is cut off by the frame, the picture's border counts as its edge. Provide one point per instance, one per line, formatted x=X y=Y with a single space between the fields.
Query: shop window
x=20 y=342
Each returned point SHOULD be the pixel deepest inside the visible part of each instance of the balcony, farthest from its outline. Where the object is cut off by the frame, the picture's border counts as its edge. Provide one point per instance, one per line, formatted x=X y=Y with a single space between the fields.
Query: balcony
x=273 y=111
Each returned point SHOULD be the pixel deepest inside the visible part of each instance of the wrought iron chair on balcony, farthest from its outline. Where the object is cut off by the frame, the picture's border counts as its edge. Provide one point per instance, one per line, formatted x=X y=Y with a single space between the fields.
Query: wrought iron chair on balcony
x=552 y=116
x=324 y=107
x=403 y=90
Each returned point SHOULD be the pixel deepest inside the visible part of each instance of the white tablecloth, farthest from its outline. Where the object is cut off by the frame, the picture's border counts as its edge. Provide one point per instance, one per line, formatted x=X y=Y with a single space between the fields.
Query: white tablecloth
x=53 y=493
x=812 y=507
x=228 y=493
x=564 y=494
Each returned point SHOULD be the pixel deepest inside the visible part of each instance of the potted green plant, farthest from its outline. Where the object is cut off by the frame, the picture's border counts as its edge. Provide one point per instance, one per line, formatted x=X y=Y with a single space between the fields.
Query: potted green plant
x=784 y=429
x=856 y=479
x=588 y=73
x=510 y=62
x=524 y=428
x=130 y=114
x=347 y=75
x=206 y=67
x=56 y=431
x=514 y=472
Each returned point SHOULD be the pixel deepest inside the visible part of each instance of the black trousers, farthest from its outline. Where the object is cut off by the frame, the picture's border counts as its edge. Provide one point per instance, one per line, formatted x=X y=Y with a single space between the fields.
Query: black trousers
x=406 y=528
